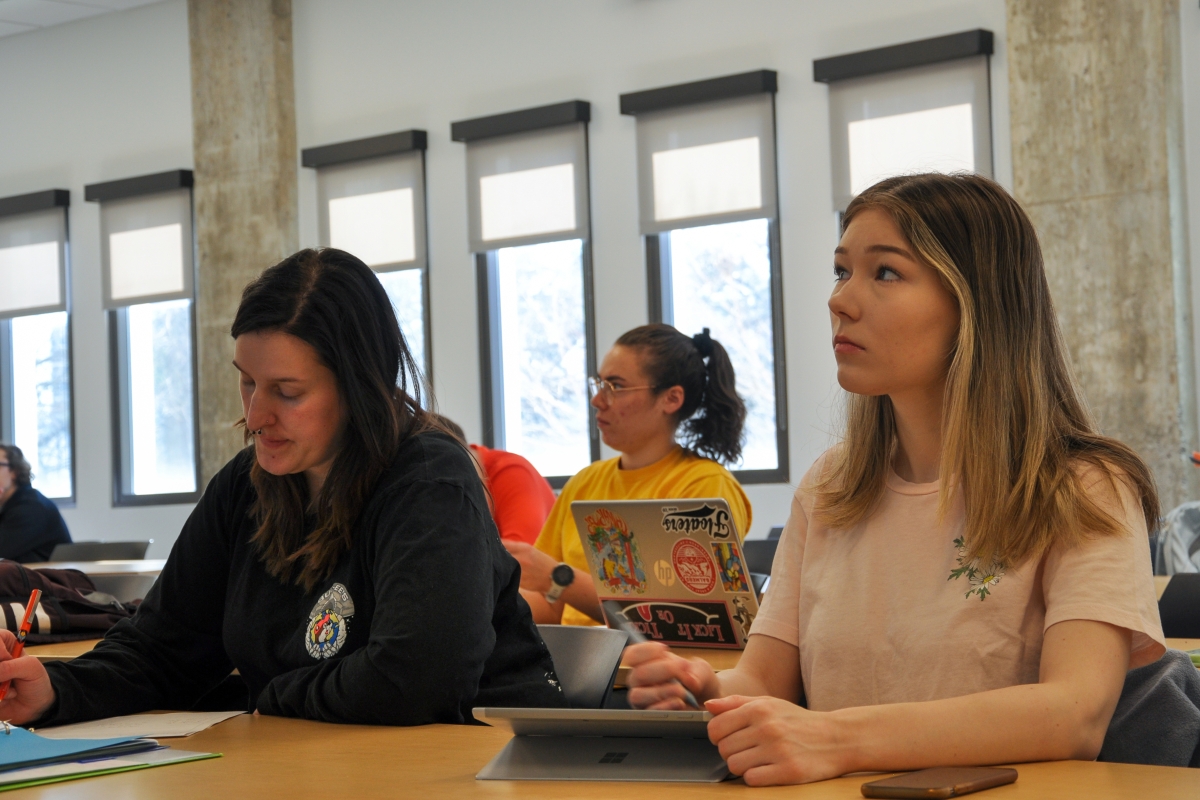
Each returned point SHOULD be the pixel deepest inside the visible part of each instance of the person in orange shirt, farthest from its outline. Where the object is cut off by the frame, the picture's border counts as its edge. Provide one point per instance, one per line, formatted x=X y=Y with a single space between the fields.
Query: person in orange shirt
x=520 y=498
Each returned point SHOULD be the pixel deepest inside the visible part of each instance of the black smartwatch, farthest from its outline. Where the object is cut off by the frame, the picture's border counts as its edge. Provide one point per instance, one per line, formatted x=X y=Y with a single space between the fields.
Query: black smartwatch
x=560 y=578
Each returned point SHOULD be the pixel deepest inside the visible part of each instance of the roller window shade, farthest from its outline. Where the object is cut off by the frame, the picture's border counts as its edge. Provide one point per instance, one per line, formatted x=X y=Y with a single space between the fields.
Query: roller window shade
x=933 y=118
x=147 y=248
x=375 y=210
x=33 y=273
x=527 y=188
x=708 y=163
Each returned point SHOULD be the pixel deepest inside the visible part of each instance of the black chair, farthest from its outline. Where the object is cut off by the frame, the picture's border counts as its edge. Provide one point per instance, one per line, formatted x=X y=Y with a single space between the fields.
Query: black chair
x=760 y=554
x=1179 y=606
x=775 y=532
x=101 y=551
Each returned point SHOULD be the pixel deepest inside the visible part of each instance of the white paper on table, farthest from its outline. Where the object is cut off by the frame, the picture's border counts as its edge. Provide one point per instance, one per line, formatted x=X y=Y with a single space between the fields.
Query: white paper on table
x=146 y=726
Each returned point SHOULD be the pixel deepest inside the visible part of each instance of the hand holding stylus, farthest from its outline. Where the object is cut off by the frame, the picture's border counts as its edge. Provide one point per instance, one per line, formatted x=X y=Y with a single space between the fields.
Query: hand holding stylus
x=619 y=621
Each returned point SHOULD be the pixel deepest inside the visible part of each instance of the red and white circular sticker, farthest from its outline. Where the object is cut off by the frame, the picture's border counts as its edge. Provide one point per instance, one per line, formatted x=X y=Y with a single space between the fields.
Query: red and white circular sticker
x=694 y=566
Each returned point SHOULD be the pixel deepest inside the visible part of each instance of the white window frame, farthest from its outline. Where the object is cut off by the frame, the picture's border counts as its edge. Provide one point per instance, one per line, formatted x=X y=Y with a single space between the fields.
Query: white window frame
x=532 y=138
x=168 y=197
x=44 y=212
x=714 y=110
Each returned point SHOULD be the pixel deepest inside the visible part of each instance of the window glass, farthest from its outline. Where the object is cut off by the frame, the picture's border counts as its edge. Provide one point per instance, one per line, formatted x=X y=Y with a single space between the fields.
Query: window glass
x=543 y=350
x=527 y=202
x=41 y=395
x=721 y=280
x=377 y=227
x=707 y=179
x=408 y=299
x=932 y=140
x=29 y=276
x=162 y=445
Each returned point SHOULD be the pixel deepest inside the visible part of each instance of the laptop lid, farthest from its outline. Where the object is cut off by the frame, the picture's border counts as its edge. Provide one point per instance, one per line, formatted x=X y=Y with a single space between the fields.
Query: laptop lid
x=674 y=566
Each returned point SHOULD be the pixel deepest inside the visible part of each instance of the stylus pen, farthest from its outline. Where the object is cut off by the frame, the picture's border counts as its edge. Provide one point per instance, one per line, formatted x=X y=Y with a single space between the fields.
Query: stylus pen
x=617 y=617
x=26 y=624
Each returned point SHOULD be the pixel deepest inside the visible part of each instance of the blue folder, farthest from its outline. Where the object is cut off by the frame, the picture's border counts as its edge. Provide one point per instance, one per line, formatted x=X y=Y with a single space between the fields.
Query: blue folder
x=20 y=748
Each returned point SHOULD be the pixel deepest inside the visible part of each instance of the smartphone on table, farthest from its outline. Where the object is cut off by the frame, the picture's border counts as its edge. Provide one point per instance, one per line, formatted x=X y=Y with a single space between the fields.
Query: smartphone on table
x=940 y=782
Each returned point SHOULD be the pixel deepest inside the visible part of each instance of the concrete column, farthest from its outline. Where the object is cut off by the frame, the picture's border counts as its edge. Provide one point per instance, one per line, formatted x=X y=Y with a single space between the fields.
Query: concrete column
x=244 y=117
x=1097 y=162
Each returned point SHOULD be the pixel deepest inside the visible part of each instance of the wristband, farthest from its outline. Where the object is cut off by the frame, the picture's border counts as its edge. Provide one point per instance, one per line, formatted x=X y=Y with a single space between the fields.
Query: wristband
x=560 y=578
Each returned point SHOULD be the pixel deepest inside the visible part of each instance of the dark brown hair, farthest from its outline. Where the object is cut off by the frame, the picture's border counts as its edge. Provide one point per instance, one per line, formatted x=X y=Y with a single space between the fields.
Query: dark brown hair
x=712 y=414
x=333 y=302
x=1016 y=434
x=17 y=463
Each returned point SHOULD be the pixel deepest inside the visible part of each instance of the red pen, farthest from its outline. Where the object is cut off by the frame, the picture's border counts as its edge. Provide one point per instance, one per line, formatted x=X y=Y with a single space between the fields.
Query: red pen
x=26 y=624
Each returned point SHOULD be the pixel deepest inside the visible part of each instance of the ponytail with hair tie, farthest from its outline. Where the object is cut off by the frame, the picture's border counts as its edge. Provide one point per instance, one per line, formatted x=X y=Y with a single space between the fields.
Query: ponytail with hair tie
x=713 y=416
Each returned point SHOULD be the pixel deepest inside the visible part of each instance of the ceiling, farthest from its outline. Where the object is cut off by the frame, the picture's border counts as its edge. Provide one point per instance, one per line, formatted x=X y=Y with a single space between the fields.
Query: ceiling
x=19 y=16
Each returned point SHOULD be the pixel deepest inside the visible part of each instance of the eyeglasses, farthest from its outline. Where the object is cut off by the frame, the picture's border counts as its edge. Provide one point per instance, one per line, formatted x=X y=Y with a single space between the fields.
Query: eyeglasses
x=5 y=464
x=598 y=387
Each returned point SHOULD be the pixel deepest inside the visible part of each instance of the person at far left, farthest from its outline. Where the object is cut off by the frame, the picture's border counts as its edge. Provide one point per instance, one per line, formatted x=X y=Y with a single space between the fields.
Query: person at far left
x=344 y=562
x=30 y=525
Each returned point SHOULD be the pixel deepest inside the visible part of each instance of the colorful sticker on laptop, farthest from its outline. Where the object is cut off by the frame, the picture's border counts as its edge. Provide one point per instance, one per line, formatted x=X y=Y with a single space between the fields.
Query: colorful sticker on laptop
x=731 y=566
x=742 y=615
x=664 y=572
x=693 y=566
x=329 y=623
x=707 y=519
x=616 y=550
x=679 y=622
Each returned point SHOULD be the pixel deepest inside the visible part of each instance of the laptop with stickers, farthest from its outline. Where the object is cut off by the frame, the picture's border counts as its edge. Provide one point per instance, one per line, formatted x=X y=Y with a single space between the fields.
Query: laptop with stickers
x=675 y=568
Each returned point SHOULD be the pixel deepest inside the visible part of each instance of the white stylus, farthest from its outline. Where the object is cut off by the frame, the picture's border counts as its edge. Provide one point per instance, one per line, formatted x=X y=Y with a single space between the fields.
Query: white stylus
x=617 y=617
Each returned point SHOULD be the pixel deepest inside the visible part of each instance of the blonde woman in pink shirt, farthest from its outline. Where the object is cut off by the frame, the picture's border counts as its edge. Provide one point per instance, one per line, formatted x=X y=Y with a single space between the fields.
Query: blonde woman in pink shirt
x=964 y=579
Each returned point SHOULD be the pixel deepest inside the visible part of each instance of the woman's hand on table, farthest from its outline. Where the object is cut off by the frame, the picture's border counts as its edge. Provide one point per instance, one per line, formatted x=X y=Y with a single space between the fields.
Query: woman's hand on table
x=768 y=741
x=658 y=678
x=536 y=566
x=30 y=694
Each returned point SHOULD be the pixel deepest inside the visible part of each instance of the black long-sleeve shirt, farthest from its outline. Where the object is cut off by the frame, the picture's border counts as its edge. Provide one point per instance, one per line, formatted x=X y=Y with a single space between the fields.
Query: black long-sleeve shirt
x=420 y=620
x=30 y=526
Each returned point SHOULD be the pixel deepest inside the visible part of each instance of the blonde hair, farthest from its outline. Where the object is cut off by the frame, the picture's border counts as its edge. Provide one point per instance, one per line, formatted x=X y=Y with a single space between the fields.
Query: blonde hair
x=1015 y=430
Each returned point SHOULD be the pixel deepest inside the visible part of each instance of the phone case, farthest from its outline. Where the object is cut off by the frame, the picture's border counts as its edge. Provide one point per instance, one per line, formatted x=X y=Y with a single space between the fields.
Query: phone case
x=940 y=782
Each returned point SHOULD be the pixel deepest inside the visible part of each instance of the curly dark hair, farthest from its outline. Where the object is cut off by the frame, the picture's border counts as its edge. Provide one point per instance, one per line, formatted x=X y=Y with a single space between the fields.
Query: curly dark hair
x=712 y=415
x=17 y=463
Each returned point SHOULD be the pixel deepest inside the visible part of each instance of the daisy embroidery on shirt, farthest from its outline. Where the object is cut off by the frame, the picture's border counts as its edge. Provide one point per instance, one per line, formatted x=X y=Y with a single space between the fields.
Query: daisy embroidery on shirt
x=981 y=580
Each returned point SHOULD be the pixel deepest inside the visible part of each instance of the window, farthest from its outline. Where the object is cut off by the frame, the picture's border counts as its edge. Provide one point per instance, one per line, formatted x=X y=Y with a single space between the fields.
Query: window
x=708 y=210
x=35 y=338
x=371 y=195
x=527 y=188
x=916 y=107
x=148 y=278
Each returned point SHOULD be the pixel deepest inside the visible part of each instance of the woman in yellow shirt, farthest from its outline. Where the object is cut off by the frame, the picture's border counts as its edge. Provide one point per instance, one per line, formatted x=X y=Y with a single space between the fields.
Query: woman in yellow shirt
x=655 y=385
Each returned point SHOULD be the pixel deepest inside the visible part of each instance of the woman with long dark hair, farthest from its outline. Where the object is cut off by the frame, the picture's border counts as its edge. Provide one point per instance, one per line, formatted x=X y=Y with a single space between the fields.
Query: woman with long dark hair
x=965 y=578
x=669 y=404
x=345 y=562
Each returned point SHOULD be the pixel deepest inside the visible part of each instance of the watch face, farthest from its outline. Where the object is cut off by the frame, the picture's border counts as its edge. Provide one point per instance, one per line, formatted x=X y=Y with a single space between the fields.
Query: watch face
x=563 y=575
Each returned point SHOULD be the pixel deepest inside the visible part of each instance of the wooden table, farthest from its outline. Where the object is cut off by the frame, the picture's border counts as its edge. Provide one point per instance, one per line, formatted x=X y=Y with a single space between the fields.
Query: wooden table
x=272 y=757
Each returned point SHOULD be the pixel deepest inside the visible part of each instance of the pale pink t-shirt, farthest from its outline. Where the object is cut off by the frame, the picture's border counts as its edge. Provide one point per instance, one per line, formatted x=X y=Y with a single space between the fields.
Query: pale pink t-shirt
x=878 y=617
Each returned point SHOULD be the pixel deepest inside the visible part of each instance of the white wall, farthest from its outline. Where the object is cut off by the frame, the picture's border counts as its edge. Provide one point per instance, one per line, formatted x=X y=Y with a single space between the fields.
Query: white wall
x=91 y=101
x=109 y=97
x=374 y=66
